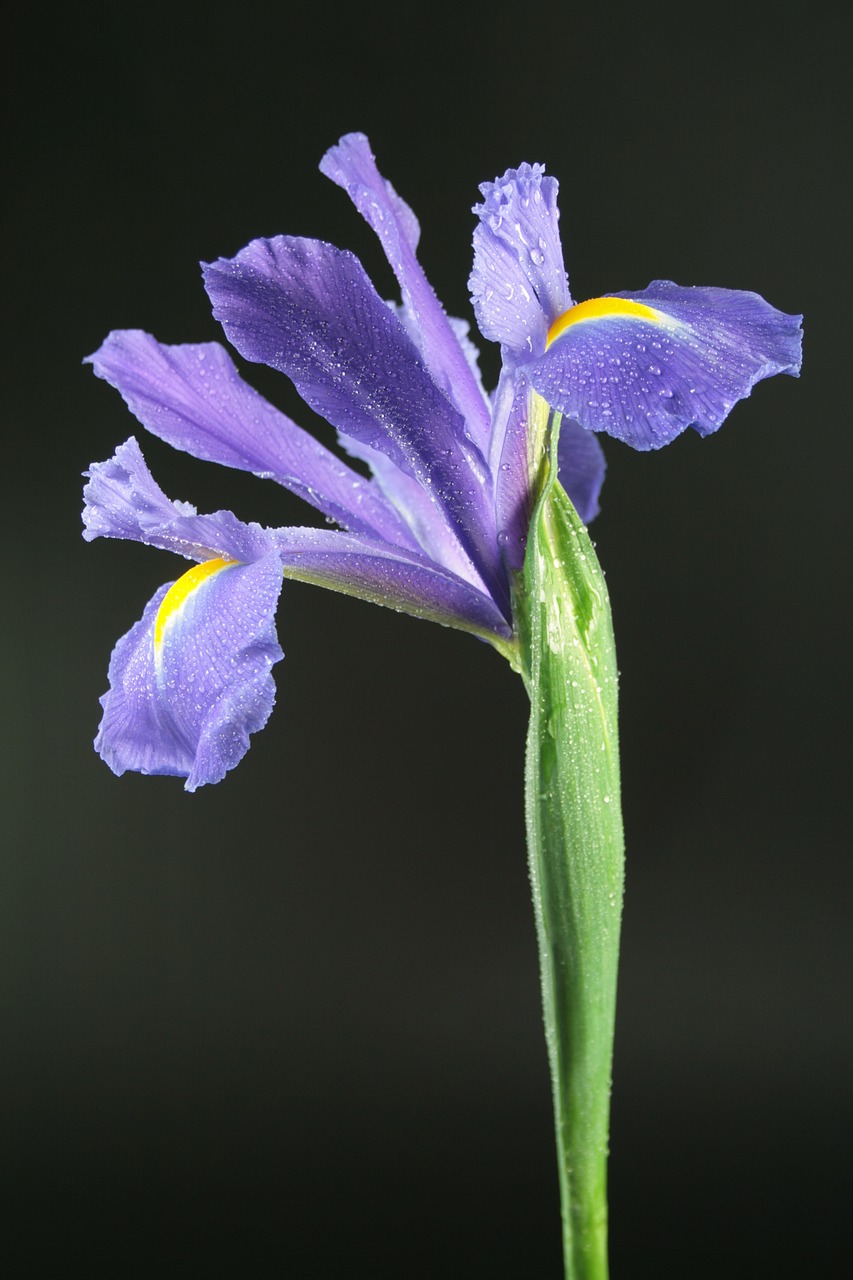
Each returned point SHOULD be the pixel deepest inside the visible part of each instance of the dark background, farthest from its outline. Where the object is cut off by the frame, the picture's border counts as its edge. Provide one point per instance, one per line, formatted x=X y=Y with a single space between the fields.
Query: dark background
x=290 y=1025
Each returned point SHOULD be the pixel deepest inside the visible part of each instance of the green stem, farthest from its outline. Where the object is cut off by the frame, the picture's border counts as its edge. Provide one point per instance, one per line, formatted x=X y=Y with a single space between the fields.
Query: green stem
x=575 y=843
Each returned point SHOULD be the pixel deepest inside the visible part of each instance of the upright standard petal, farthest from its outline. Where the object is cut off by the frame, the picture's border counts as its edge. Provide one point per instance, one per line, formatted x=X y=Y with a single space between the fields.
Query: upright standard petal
x=352 y=166
x=192 y=396
x=191 y=680
x=309 y=310
x=645 y=366
x=520 y=433
x=519 y=279
x=516 y=438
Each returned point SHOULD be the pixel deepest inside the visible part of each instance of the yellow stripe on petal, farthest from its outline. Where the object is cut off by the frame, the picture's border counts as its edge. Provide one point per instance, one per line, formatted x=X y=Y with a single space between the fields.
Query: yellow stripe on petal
x=182 y=589
x=602 y=309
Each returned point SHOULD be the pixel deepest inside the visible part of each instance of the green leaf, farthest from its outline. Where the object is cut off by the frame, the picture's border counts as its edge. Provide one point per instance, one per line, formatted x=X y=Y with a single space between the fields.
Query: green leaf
x=575 y=843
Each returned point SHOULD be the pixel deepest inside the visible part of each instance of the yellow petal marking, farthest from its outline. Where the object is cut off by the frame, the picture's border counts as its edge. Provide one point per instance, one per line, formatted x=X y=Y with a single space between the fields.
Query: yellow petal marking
x=180 y=590
x=601 y=309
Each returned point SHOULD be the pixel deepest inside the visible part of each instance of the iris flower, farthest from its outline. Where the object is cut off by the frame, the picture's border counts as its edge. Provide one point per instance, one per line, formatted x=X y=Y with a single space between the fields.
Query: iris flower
x=438 y=526
x=466 y=508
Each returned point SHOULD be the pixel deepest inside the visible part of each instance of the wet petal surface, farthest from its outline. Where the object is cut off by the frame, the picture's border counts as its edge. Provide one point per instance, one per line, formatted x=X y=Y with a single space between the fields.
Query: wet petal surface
x=352 y=166
x=192 y=679
x=519 y=282
x=372 y=570
x=310 y=311
x=645 y=378
x=192 y=397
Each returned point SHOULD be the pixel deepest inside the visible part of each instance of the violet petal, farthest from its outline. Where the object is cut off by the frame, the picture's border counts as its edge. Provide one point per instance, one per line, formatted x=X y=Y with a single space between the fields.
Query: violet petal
x=351 y=165
x=581 y=468
x=191 y=680
x=192 y=396
x=123 y=500
x=372 y=570
x=308 y=309
x=645 y=380
x=519 y=281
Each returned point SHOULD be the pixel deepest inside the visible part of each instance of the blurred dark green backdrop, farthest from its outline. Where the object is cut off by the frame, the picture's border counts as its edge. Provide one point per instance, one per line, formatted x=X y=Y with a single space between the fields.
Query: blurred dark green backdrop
x=289 y=1026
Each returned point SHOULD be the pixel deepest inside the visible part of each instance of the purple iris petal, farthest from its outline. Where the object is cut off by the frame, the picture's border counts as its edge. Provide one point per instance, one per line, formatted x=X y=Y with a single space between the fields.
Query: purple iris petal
x=581 y=465
x=191 y=680
x=461 y=331
x=645 y=380
x=375 y=571
x=518 y=285
x=581 y=468
x=422 y=516
x=471 y=352
x=186 y=692
x=193 y=397
x=352 y=166
x=512 y=464
x=447 y=512
x=310 y=311
x=123 y=500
